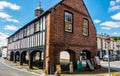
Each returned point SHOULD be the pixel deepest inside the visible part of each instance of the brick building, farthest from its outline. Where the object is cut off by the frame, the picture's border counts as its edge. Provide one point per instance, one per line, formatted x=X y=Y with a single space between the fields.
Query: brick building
x=67 y=26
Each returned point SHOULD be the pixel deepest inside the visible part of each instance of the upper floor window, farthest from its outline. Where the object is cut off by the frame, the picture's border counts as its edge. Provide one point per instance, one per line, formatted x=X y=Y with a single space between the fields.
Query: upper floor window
x=68 y=22
x=32 y=28
x=28 y=30
x=25 y=32
x=37 y=26
x=85 y=27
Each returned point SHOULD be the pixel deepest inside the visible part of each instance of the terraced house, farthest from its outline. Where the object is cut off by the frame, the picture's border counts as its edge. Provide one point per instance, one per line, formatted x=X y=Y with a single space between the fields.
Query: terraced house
x=65 y=27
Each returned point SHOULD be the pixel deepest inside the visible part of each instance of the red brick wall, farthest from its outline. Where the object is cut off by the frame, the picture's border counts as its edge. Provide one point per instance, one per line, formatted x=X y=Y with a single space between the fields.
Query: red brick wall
x=58 y=40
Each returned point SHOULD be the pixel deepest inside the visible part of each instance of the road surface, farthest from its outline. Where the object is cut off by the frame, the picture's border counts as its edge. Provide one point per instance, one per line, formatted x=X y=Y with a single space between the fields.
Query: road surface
x=7 y=70
x=115 y=65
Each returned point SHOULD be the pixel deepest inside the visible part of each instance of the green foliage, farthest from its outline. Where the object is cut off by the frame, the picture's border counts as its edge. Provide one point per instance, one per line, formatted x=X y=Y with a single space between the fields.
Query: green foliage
x=116 y=38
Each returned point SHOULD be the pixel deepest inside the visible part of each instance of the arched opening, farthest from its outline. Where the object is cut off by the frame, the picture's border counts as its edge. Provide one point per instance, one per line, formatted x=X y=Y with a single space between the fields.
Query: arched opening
x=66 y=57
x=37 y=59
x=17 y=56
x=24 y=54
x=11 y=56
x=85 y=55
x=64 y=60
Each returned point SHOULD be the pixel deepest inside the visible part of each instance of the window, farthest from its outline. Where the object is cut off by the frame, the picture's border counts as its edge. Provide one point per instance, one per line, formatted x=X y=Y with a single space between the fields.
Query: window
x=32 y=28
x=41 y=24
x=21 y=33
x=37 y=26
x=44 y=23
x=25 y=32
x=68 y=22
x=28 y=30
x=85 y=27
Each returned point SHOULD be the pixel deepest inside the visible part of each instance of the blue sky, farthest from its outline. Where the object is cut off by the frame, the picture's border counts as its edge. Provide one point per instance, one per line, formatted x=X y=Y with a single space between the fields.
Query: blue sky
x=16 y=13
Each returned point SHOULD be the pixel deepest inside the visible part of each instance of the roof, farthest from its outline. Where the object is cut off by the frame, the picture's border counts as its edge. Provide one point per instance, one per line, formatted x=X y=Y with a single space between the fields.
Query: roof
x=43 y=14
x=46 y=12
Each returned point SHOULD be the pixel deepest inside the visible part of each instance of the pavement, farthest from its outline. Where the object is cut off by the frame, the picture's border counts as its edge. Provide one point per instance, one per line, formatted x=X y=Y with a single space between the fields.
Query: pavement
x=103 y=71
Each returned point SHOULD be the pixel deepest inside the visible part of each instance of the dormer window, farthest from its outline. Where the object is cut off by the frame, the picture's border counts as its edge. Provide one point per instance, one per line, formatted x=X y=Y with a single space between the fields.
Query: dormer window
x=68 y=22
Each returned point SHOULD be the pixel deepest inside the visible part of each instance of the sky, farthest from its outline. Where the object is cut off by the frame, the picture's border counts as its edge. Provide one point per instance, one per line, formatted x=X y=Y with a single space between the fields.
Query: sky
x=16 y=13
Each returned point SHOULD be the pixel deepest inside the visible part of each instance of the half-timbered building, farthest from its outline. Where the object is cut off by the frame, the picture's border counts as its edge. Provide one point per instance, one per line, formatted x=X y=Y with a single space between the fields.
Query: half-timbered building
x=65 y=27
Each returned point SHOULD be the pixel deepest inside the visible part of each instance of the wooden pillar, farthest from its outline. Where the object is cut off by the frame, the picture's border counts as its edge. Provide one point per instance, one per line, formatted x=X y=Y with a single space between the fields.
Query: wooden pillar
x=15 y=58
x=40 y=56
x=30 y=61
x=21 y=58
x=12 y=56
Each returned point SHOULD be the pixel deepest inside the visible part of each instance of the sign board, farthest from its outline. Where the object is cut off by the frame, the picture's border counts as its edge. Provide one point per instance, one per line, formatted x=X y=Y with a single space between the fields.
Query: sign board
x=79 y=65
x=90 y=65
x=58 y=68
x=97 y=60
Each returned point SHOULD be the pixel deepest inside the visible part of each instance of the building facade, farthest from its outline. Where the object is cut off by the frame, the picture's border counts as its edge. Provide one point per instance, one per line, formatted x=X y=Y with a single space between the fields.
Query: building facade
x=103 y=46
x=118 y=47
x=67 y=26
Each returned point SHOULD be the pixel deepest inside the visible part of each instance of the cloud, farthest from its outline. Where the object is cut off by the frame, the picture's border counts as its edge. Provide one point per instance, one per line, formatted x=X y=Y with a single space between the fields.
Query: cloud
x=117 y=1
x=97 y=21
x=5 y=4
x=114 y=5
x=4 y=15
x=114 y=8
x=7 y=17
x=105 y=28
x=3 y=39
x=116 y=34
x=110 y=24
x=116 y=16
x=11 y=27
x=12 y=20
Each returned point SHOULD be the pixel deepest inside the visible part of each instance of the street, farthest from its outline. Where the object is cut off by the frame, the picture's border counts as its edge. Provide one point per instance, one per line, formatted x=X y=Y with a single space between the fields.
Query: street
x=114 y=65
x=6 y=70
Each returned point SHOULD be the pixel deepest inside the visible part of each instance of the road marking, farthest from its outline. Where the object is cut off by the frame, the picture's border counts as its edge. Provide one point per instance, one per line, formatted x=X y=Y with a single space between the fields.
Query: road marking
x=19 y=69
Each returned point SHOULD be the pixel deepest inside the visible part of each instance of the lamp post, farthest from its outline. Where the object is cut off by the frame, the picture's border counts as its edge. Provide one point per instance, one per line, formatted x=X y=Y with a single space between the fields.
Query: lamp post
x=108 y=43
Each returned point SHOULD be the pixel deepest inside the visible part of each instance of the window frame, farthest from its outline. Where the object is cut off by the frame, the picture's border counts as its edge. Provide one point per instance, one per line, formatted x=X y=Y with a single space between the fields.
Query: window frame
x=36 y=26
x=85 y=28
x=66 y=30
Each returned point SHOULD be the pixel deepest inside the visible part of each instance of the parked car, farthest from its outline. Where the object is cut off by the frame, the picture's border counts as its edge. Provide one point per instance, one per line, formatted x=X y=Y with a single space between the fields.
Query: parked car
x=112 y=57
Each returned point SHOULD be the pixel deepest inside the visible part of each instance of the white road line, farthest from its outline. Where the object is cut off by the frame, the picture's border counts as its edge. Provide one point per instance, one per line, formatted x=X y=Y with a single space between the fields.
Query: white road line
x=19 y=69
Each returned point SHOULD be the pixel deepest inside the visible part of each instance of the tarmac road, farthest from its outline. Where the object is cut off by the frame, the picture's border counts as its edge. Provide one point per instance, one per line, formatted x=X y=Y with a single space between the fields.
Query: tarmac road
x=114 y=65
x=6 y=70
